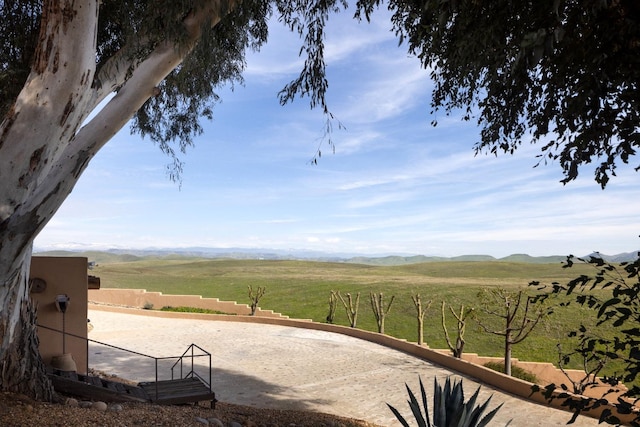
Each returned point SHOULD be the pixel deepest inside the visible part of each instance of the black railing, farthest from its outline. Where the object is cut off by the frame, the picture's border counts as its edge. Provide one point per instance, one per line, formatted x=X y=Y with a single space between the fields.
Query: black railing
x=180 y=360
x=192 y=373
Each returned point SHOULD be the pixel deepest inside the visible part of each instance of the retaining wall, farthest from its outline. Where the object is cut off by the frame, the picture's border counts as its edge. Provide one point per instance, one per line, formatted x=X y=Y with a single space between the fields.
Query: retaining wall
x=140 y=298
x=547 y=373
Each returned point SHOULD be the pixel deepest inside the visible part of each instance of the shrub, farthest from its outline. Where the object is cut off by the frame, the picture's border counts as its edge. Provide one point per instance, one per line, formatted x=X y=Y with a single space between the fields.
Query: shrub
x=516 y=371
x=193 y=310
x=147 y=306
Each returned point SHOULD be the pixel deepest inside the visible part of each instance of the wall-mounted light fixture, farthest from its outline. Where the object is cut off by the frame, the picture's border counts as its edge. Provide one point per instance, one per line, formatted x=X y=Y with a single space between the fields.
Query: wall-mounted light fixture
x=62 y=303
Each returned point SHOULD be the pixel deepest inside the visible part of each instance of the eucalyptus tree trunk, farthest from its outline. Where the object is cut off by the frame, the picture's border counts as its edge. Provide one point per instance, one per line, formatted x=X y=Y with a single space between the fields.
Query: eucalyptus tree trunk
x=21 y=369
x=39 y=169
x=44 y=150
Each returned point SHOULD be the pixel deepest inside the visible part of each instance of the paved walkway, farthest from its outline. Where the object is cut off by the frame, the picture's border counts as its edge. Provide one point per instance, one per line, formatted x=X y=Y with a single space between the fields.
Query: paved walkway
x=291 y=368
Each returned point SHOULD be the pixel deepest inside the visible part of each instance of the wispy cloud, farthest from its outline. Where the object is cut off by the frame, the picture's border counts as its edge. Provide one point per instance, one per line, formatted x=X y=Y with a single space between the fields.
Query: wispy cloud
x=386 y=95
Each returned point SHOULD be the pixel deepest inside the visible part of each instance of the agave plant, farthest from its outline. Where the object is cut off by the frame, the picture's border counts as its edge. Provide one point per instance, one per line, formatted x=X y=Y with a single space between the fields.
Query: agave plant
x=449 y=407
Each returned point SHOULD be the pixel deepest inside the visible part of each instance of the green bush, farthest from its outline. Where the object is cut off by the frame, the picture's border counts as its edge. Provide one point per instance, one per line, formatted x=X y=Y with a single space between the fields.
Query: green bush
x=516 y=371
x=193 y=310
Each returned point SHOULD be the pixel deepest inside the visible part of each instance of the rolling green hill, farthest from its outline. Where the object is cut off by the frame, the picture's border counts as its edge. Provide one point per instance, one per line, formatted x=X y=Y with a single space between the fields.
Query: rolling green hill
x=95 y=256
x=535 y=260
x=391 y=260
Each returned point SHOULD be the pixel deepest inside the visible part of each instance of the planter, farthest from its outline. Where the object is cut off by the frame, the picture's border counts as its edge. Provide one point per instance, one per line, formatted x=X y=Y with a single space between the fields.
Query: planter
x=64 y=362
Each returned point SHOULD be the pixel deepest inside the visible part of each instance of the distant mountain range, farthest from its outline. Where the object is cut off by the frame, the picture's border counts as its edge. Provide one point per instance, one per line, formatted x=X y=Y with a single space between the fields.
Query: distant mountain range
x=126 y=255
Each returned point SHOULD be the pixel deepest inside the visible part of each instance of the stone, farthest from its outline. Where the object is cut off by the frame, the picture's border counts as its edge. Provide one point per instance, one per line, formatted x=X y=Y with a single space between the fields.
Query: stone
x=234 y=424
x=116 y=408
x=99 y=406
x=202 y=421
x=71 y=402
x=85 y=404
x=215 y=422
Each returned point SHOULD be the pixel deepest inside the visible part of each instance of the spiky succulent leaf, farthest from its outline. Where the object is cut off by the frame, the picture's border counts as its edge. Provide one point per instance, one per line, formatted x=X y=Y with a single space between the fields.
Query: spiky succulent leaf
x=455 y=402
x=425 y=404
x=439 y=410
x=457 y=410
x=487 y=418
x=460 y=419
x=399 y=416
x=415 y=408
x=475 y=412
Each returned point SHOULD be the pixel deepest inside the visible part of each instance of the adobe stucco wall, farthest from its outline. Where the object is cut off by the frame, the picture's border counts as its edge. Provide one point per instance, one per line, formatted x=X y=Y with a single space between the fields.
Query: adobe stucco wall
x=140 y=298
x=63 y=275
x=547 y=373
x=508 y=384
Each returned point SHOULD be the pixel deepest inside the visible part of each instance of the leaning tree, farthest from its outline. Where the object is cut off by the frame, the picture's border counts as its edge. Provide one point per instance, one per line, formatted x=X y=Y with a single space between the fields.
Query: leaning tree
x=155 y=63
x=73 y=73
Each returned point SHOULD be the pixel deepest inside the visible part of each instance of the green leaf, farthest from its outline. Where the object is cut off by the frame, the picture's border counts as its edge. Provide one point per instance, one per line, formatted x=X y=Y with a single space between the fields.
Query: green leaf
x=608 y=304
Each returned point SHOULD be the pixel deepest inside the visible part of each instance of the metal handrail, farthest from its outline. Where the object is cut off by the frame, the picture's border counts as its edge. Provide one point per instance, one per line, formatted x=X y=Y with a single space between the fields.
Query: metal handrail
x=192 y=373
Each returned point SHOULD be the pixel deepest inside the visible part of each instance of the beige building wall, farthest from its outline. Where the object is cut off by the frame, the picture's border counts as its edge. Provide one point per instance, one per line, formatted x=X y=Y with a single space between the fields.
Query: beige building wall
x=62 y=275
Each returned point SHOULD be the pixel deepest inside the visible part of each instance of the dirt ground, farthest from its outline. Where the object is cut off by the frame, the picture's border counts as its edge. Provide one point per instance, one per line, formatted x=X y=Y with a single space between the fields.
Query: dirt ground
x=20 y=411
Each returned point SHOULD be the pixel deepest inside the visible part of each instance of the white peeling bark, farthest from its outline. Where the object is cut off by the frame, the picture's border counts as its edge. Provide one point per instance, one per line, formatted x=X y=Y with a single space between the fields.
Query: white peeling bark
x=21 y=368
x=34 y=133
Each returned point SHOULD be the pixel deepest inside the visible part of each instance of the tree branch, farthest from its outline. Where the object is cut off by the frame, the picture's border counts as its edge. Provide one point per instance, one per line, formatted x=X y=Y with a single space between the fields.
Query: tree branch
x=143 y=81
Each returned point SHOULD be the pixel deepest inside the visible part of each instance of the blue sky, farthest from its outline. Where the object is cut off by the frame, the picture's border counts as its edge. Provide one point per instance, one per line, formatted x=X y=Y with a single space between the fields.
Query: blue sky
x=394 y=185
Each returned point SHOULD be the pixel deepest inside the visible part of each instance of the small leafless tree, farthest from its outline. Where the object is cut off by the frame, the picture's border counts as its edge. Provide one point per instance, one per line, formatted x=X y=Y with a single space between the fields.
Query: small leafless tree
x=255 y=297
x=461 y=319
x=379 y=311
x=333 y=304
x=519 y=313
x=351 y=307
x=420 y=312
x=592 y=363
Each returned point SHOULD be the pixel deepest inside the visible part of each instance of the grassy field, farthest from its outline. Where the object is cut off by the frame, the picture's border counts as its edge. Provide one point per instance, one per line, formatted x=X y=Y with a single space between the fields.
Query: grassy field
x=300 y=289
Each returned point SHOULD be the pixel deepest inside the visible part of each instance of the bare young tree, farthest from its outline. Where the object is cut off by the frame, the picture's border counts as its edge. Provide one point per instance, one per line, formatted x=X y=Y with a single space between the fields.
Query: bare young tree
x=518 y=312
x=255 y=297
x=379 y=311
x=420 y=312
x=461 y=319
x=351 y=307
x=593 y=362
x=333 y=304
